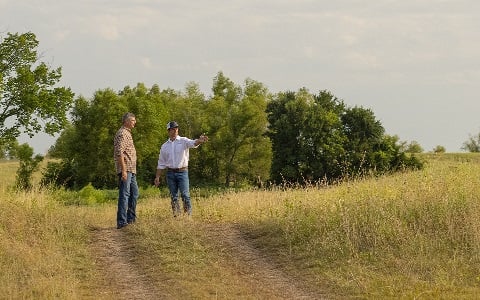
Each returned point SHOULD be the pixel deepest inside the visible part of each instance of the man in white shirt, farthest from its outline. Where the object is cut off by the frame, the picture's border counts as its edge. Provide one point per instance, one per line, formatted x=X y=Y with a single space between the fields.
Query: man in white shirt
x=173 y=159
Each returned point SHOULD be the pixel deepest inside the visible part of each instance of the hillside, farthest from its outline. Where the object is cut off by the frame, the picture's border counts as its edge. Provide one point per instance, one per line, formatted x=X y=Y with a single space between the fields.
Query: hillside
x=410 y=235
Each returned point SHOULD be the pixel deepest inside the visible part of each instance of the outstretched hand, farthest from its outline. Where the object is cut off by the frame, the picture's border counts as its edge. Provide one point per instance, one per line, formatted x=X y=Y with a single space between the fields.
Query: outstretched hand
x=203 y=138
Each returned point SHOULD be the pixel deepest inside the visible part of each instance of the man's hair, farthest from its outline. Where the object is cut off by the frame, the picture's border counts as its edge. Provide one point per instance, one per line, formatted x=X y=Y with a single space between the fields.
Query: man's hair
x=127 y=116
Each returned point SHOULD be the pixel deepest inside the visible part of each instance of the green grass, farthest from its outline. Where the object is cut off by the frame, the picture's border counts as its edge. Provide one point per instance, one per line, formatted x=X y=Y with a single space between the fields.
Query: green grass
x=405 y=236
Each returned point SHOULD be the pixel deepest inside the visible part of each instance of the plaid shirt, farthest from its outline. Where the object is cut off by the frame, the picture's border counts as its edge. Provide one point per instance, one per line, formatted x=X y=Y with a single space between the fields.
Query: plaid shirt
x=123 y=143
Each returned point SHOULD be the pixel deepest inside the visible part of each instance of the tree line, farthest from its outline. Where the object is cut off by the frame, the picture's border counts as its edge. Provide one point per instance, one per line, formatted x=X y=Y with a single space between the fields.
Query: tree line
x=256 y=137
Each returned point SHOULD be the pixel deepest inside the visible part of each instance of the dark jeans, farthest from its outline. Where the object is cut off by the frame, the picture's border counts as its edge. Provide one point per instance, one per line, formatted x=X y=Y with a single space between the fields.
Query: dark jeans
x=127 y=199
x=178 y=181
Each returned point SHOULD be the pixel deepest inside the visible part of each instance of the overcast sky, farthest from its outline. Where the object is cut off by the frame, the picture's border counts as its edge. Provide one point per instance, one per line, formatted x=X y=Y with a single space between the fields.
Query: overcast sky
x=415 y=63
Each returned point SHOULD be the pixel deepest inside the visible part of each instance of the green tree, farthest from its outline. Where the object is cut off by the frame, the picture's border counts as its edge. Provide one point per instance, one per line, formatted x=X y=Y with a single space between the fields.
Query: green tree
x=86 y=147
x=7 y=150
x=315 y=137
x=150 y=110
x=251 y=157
x=28 y=165
x=321 y=137
x=391 y=157
x=414 y=147
x=95 y=124
x=411 y=147
x=439 y=149
x=29 y=100
x=238 y=148
x=285 y=115
x=58 y=173
x=472 y=144
x=306 y=135
x=364 y=137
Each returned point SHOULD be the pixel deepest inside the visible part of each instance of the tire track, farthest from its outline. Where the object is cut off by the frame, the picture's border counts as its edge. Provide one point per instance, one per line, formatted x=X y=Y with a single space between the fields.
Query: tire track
x=114 y=258
x=256 y=265
x=123 y=278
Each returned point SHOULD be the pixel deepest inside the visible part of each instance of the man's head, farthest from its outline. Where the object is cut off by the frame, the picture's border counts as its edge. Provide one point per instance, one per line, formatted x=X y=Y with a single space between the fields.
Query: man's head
x=172 y=128
x=129 y=120
x=172 y=125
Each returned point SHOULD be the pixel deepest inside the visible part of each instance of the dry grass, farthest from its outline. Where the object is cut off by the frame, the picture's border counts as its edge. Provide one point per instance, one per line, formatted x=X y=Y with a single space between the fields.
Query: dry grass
x=42 y=247
x=411 y=235
x=7 y=175
x=403 y=236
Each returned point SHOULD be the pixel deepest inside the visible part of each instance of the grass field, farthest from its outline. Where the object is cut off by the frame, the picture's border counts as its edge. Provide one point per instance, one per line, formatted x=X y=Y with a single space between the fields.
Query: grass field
x=413 y=235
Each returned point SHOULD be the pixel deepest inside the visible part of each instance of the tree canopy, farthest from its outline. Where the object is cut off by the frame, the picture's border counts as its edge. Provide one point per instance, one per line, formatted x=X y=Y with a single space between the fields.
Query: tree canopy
x=316 y=137
x=237 y=151
x=30 y=101
x=255 y=136
x=472 y=144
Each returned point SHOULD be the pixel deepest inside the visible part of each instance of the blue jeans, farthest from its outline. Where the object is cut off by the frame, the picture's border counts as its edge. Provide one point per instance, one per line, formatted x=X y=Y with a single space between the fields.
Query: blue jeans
x=127 y=199
x=179 y=181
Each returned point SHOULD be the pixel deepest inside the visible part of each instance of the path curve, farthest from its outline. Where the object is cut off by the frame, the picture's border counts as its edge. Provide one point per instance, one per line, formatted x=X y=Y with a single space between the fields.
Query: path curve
x=262 y=270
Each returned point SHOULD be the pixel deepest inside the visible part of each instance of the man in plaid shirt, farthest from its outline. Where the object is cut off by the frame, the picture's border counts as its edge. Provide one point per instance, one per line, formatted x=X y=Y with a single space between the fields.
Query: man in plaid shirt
x=126 y=167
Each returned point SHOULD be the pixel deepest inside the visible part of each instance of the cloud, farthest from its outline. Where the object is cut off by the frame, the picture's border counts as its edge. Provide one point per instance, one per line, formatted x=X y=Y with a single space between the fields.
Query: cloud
x=146 y=62
x=107 y=26
x=62 y=34
x=107 y=21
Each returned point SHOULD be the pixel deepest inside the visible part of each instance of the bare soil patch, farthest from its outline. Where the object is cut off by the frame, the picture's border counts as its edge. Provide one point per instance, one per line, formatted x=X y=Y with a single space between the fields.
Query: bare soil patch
x=123 y=278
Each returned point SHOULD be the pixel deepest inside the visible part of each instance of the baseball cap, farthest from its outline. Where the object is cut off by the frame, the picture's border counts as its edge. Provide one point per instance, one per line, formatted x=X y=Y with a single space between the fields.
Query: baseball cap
x=172 y=124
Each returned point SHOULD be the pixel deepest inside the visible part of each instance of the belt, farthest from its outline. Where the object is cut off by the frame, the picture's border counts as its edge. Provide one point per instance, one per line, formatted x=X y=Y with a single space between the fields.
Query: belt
x=177 y=169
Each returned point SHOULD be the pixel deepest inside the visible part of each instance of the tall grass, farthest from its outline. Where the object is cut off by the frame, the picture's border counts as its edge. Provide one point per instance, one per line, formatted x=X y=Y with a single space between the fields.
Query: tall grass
x=399 y=236
x=409 y=235
x=43 y=244
x=42 y=247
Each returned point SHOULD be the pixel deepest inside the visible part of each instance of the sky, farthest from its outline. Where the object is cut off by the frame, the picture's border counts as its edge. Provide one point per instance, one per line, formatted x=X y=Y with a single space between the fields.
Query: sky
x=414 y=63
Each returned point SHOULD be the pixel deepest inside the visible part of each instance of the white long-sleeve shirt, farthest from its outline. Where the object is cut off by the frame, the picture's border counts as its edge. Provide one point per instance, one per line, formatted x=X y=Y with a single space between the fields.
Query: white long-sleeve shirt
x=175 y=154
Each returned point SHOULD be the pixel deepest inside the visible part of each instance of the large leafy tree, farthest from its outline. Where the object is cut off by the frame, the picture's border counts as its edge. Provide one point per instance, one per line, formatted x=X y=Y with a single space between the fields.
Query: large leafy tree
x=364 y=139
x=30 y=102
x=234 y=119
x=316 y=137
x=86 y=147
x=323 y=141
x=96 y=122
x=239 y=148
x=306 y=136
x=285 y=116
x=254 y=153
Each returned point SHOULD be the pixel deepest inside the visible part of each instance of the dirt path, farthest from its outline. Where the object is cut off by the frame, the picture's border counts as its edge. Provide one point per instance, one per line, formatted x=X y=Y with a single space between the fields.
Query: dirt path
x=123 y=276
x=113 y=258
x=257 y=267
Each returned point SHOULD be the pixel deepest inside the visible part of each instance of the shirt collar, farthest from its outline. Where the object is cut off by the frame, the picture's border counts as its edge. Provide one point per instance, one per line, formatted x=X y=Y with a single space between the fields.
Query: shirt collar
x=176 y=138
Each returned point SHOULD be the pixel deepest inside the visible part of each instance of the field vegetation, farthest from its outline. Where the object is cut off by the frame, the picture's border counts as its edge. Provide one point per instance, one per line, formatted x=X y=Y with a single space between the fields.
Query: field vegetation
x=412 y=235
